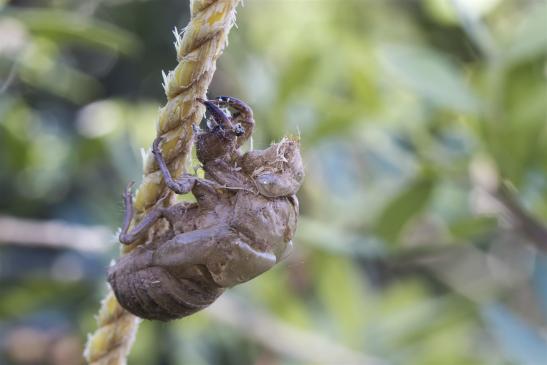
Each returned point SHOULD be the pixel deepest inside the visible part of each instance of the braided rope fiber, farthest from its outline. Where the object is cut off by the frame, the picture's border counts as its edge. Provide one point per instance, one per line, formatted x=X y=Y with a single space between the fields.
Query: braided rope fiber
x=197 y=51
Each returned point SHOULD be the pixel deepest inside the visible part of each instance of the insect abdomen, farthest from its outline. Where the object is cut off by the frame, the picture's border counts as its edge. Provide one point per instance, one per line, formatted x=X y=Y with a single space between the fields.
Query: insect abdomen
x=154 y=293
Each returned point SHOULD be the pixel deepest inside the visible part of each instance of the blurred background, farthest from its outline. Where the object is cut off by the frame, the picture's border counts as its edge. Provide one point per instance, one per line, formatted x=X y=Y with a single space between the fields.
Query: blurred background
x=422 y=235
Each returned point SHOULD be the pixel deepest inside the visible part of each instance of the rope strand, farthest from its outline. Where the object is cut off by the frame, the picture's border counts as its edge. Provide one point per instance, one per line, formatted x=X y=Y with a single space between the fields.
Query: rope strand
x=203 y=42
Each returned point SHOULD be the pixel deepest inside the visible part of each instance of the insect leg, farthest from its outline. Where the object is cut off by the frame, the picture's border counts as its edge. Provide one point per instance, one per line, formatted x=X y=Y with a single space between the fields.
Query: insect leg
x=242 y=114
x=189 y=248
x=127 y=237
x=217 y=114
x=182 y=185
x=229 y=259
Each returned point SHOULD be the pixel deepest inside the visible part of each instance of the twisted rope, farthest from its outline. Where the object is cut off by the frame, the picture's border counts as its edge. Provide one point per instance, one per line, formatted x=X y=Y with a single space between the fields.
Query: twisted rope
x=197 y=51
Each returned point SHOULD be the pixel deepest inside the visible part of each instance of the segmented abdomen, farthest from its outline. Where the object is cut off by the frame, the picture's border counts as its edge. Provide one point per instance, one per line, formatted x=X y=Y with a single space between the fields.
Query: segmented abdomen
x=152 y=292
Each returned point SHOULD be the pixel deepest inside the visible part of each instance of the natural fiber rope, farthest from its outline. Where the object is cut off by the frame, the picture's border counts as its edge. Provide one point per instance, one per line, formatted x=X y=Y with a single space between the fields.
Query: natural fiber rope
x=203 y=42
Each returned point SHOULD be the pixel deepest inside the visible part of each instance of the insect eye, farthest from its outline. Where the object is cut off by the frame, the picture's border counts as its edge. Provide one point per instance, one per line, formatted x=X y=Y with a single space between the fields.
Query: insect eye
x=265 y=180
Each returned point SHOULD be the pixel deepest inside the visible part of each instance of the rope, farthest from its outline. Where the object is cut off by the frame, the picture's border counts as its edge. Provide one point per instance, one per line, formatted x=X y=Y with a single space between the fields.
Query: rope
x=197 y=51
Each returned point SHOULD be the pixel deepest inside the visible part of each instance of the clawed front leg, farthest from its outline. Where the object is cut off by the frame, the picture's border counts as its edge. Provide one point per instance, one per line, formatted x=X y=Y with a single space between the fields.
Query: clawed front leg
x=218 y=115
x=140 y=229
x=241 y=113
x=182 y=185
x=185 y=183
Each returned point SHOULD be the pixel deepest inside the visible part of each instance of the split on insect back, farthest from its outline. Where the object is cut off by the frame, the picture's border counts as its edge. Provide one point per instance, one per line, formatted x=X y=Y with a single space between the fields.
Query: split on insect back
x=241 y=224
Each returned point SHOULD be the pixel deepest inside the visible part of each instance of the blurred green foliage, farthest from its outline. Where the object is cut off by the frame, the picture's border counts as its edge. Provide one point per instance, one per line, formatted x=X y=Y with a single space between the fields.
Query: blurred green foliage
x=409 y=112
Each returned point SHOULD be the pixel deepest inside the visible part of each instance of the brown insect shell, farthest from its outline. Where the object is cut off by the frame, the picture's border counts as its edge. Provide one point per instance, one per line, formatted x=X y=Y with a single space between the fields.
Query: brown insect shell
x=277 y=170
x=156 y=281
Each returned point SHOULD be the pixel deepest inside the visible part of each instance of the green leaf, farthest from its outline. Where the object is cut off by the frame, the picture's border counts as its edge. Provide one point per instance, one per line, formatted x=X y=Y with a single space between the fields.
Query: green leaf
x=345 y=303
x=472 y=227
x=42 y=67
x=336 y=240
x=530 y=39
x=408 y=203
x=297 y=75
x=70 y=26
x=429 y=74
